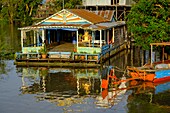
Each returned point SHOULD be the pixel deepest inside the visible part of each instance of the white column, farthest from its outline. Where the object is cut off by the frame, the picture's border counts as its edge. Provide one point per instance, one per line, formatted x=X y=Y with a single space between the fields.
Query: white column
x=77 y=37
x=43 y=35
x=100 y=38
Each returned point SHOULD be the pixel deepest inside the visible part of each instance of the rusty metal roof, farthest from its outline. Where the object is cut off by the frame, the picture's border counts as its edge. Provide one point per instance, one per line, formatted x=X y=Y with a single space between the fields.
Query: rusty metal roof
x=90 y=16
x=107 y=14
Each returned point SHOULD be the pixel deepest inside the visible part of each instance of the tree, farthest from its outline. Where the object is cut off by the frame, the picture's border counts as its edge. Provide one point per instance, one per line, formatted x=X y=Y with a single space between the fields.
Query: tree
x=149 y=21
x=26 y=9
x=8 y=11
x=18 y=9
x=68 y=4
x=72 y=3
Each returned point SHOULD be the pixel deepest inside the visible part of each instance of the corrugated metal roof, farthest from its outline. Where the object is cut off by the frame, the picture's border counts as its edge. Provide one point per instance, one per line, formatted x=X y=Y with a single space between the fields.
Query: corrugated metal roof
x=107 y=14
x=90 y=20
x=112 y=24
x=90 y=16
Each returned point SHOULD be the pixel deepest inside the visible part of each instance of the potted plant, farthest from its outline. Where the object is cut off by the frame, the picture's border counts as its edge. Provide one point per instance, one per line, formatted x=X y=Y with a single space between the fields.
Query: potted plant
x=43 y=52
x=82 y=57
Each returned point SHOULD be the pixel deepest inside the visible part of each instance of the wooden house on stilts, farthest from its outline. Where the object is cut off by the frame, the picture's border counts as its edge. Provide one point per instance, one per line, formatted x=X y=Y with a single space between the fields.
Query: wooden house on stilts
x=72 y=36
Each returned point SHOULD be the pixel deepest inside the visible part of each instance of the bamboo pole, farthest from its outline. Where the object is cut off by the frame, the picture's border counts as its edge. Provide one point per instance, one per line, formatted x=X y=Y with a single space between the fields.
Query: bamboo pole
x=151 y=54
x=163 y=54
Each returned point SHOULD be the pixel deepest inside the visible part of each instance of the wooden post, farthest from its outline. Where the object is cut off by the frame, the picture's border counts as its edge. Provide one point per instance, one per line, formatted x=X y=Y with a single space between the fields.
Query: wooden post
x=116 y=9
x=93 y=38
x=113 y=37
x=107 y=31
x=163 y=54
x=151 y=54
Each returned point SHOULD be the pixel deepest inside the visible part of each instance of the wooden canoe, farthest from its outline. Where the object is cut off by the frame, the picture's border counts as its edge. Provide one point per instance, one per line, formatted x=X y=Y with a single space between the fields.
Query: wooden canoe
x=159 y=72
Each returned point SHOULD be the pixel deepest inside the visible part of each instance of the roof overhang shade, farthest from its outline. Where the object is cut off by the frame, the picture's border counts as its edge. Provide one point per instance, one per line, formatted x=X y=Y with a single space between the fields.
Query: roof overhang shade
x=50 y=27
x=99 y=26
x=158 y=44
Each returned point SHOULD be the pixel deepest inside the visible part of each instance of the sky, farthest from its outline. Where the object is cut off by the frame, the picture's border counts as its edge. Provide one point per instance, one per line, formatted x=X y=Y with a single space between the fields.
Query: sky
x=44 y=1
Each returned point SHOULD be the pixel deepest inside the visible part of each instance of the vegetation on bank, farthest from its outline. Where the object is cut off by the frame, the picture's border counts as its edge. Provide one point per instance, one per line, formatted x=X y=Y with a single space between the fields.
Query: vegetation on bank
x=149 y=22
x=25 y=10
x=18 y=9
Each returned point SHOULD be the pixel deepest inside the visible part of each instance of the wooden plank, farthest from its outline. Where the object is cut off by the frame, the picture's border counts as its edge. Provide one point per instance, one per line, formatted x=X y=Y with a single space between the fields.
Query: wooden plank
x=57 y=64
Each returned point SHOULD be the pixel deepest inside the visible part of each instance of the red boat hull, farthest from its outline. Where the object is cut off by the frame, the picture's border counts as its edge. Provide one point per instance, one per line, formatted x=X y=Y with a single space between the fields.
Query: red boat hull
x=164 y=79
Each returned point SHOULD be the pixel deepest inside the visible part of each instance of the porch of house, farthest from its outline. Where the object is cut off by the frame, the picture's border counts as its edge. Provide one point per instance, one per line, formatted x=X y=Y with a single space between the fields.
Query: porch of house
x=66 y=50
x=61 y=50
x=63 y=47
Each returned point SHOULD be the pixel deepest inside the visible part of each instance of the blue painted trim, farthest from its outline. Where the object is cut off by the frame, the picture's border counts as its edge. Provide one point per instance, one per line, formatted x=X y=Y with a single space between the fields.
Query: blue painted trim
x=60 y=23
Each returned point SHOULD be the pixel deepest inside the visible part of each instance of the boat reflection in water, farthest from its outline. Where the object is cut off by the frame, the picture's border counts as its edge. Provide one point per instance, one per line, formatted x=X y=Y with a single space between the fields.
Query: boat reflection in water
x=70 y=87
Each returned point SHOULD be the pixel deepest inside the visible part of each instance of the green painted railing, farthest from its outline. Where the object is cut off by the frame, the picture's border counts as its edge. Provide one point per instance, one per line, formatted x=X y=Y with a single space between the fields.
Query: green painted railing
x=89 y=50
x=31 y=49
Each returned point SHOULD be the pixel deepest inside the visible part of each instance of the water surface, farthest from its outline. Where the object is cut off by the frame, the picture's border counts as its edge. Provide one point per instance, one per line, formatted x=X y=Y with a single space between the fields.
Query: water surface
x=60 y=90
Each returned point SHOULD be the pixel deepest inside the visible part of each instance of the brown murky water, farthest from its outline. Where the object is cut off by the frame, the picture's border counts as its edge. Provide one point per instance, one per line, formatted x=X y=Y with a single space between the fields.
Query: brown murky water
x=67 y=90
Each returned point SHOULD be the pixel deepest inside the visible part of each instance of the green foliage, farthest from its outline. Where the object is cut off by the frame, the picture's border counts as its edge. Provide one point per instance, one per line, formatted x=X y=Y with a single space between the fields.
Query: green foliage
x=136 y=1
x=148 y=22
x=26 y=9
x=68 y=4
x=8 y=11
x=19 y=9
x=43 y=50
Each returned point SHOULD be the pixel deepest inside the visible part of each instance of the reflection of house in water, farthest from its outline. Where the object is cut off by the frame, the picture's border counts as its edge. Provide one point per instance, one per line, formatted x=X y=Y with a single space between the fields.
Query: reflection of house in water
x=31 y=83
x=88 y=81
x=60 y=81
x=69 y=86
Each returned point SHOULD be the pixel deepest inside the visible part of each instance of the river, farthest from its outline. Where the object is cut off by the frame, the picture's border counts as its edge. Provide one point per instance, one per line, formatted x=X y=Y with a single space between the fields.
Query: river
x=69 y=90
